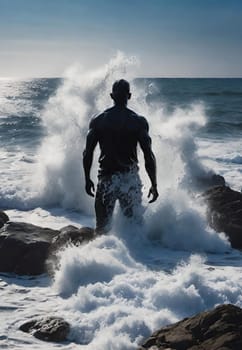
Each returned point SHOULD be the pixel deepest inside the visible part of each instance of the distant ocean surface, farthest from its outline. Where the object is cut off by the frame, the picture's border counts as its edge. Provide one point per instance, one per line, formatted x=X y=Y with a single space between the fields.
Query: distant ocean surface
x=116 y=290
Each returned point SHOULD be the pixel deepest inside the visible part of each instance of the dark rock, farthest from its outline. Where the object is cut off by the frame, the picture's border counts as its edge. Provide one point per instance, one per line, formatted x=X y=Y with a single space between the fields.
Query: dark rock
x=209 y=180
x=3 y=218
x=218 y=329
x=225 y=212
x=24 y=248
x=71 y=234
x=54 y=329
x=68 y=235
x=1 y=223
x=28 y=249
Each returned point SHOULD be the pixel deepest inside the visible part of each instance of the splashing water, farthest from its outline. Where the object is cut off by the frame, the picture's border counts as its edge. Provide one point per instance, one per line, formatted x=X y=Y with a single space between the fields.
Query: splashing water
x=66 y=117
x=114 y=301
x=60 y=175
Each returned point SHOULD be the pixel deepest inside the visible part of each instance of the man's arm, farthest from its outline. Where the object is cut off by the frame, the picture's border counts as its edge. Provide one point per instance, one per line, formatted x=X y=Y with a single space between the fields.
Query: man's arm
x=91 y=143
x=150 y=161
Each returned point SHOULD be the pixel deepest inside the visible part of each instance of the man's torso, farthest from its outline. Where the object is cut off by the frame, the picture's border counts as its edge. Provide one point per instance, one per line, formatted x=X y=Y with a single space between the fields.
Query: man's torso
x=117 y=130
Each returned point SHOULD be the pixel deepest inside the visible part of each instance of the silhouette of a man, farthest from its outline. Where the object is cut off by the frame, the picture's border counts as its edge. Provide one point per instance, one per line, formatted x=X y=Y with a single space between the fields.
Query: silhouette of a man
x=118 y=130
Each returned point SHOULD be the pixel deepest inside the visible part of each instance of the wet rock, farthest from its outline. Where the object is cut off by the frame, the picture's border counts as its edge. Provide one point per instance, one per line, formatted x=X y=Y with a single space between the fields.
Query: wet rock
x=209 y=180
x=71 y=234
x=225 y=212
x=24 y=248
x=218 y=329
x=3 y=218
x=68 y=235
x=28 y=249
x=54 y=329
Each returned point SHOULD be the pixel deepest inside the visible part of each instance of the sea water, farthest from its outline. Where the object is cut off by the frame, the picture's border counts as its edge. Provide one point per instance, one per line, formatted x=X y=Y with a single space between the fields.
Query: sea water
x=119 y=288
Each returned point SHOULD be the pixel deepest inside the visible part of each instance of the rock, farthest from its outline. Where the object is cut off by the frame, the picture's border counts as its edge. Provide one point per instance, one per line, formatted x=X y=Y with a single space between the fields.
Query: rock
x=218 y=329
x=68 y=235
x=27 y=249
x=74 y=235
x=225 y=212
x=54 y=329
x=3 y=218
x=209 y=180
x=24 y=248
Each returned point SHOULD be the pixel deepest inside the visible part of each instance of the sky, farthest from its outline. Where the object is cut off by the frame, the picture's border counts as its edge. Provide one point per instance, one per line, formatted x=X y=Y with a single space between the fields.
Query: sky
x=171 y=38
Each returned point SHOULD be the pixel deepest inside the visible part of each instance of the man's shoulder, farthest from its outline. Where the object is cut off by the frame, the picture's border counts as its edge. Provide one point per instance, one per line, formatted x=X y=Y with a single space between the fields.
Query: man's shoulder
x=141 y=120
x=131 y=112
x=96 y=118
x=99 y=116
x=139 y=117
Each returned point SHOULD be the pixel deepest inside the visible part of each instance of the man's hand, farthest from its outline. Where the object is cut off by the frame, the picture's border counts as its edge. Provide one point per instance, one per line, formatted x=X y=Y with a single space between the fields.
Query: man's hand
x=154 y=193
x=90 y=189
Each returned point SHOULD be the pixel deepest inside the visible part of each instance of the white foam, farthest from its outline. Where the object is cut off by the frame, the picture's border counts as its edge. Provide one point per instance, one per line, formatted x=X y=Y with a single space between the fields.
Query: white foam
x=180 y=223
x=110 y=294
x=114 y=302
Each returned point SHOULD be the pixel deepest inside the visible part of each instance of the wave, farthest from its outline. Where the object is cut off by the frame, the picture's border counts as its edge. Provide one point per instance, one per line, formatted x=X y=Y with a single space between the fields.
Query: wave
x=237 y=159
x=224 y=93
x=106 y=292
x=223 y=128
x=66 y=118
x=57 y=178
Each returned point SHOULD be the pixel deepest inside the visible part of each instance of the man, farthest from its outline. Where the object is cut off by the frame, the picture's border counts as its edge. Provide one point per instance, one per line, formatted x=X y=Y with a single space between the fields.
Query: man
x=118 y=130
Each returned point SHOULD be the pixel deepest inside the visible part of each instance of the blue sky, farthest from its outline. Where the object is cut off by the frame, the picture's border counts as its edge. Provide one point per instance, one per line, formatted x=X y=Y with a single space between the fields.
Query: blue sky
x=177 y=38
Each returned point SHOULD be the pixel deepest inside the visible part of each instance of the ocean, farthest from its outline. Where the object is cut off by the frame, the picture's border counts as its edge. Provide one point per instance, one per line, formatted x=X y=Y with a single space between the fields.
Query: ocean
x=119 y=288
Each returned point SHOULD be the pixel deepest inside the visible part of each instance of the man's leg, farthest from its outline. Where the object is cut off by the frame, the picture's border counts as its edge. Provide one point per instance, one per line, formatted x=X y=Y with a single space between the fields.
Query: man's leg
x=104 y=205
x=130 y=197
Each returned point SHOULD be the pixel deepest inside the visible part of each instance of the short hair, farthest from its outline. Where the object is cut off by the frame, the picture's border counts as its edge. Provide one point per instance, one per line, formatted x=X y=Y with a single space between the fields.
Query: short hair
x=121 y=88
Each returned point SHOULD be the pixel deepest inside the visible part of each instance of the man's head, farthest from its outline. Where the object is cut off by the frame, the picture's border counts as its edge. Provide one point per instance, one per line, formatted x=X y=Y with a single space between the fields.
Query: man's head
x=120 y=92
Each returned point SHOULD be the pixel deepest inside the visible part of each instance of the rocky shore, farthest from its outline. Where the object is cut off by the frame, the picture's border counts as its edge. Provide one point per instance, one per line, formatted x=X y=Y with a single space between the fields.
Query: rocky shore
x=225 y=213
x=25 y=249
x=217 y=329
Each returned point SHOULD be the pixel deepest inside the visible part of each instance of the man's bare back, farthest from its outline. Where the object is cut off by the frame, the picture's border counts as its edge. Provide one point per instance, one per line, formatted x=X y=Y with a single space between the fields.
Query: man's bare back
x=118 y=130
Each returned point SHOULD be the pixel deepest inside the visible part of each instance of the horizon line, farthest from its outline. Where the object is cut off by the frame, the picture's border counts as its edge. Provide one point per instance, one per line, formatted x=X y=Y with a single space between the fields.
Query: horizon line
x=140 y=77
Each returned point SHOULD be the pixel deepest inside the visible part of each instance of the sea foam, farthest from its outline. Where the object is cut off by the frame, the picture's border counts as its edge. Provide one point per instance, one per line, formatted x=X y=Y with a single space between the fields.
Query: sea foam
x=108 y=293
